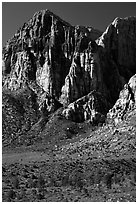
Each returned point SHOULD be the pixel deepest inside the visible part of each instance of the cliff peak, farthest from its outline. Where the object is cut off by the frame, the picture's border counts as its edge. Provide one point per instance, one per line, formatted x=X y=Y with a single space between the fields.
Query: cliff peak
x=62 y=64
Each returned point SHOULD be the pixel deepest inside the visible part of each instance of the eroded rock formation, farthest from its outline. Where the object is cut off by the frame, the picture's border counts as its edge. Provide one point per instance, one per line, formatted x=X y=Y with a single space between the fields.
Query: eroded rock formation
x=125 y=103
x=118 y=54
x=91 y=107
x=96 y=66
x=84 y=76
x=42 y=51
x=61 y=63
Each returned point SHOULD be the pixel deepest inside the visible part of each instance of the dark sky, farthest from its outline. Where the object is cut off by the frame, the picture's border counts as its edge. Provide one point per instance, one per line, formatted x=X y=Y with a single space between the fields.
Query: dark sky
x=96 y=14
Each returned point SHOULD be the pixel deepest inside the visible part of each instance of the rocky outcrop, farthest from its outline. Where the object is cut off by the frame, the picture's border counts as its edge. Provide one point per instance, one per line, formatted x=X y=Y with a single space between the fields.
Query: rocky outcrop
x=37 y=53
x=125 y=103
x=84 y=76
x=91 y=107
x=96 y=66
x=42 y=50
x=117 y=50
x=119 y=42
x=61 y=63
x=41 y=53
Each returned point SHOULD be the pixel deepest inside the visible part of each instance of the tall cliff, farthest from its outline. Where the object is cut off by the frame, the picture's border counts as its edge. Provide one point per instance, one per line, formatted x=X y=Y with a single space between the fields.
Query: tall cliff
x=42 y=51
x=111 y=58
x=118 y=54
x=61 y=64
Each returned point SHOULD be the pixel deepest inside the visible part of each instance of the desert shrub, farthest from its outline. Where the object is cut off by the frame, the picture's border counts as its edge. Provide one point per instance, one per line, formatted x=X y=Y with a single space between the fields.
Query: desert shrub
x=41 y=182
x=53 y=180
x=115 y=187
x=117 y=178
x=30 y=183
x=40 y=194
x=86 y=192
x=108 y=179
x=23 y=195
x=76 y=179
x=132 y=178
x=98 y=176
x=80 y=183
x=34 y=192
x=15 y=182
x=91 y=179
x=72 y=179
x=10 y=195
x=65 y=180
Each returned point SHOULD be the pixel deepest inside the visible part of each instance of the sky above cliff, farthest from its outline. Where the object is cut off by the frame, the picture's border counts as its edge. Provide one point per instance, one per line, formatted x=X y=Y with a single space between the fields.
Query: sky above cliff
x=96 y=14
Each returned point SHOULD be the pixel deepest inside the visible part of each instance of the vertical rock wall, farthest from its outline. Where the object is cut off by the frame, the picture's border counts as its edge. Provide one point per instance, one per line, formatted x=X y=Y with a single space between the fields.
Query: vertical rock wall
x=69 y=62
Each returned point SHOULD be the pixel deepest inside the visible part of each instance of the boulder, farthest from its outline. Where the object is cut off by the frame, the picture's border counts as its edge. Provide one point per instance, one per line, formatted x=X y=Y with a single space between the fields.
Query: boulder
x=91 y=107
x=125 y=103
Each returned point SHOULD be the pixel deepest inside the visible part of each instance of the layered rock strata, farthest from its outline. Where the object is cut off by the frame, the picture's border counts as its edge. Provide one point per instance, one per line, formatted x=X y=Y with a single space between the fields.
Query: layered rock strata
x=42 y=51
x=61 y=63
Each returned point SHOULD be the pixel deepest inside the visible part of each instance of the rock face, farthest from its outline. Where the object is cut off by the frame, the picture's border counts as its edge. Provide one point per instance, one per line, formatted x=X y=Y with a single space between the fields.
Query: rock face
x=118 y=54
x=85 y=74
x=42 y=51
x=125 y=103
x=61 y=64
x=96 y=66
x=91 y=107
x=37 y=53
x=119 y=42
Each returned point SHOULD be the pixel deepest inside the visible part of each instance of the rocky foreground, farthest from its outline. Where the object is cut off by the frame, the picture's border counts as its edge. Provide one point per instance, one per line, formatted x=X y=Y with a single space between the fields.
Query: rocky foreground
x=69 y=112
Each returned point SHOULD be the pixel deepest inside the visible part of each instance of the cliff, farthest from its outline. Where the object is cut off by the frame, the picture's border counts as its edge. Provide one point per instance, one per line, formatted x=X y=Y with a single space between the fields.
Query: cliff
x=42 y=51
x=69 y=66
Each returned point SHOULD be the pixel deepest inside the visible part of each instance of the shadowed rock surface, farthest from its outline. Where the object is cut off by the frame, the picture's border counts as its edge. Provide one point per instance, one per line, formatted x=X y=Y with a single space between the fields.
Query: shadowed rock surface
x=42 y=51
x=92 y=107
x=118 y=54
x=58 y=64
x=125 y=103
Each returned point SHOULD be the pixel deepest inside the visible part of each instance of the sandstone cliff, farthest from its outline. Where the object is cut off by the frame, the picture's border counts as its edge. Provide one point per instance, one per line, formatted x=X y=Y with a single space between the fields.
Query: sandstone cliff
x=118 y=54
x=105 y=66
x=85 y=74
x=60 y=64
x=42 y=51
